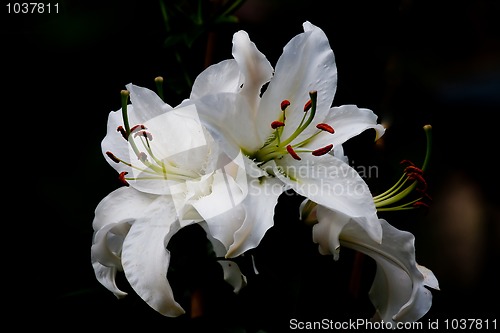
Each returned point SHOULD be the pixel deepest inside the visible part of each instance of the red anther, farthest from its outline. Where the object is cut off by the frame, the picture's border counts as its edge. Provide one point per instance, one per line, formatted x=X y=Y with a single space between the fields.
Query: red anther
x=137 y=128
x=142 y=156
x=292 y=152
x=413 y=169
x=121 y=177
x=322 y=151
x=113 y=157
x=420 y=204
x=145 y=134
x=325 y=127
x=275 y=124
x=307 y=106
x=122 y=132
x=284 y=104
x=420 y=179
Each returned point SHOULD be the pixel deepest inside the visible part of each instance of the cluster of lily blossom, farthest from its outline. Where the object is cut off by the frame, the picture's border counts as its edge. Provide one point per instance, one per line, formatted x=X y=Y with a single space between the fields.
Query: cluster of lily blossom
x=223 y=157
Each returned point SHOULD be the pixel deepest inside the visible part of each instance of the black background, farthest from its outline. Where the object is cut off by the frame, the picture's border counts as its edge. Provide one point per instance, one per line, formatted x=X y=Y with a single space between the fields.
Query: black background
x=411 y=62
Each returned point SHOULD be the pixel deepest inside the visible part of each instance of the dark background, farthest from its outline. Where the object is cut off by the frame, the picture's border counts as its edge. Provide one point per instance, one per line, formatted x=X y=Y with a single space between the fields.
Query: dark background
x=411 y=62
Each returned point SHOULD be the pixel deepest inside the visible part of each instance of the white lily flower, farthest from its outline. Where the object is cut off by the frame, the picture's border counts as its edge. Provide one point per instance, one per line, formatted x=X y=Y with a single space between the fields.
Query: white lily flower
x=286 y=133
x=399 y=291
x=176 y=177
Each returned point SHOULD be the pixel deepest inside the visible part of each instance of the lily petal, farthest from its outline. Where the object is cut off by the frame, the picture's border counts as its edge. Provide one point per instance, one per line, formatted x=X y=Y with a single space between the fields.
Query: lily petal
x=107 y=244
x=145 y=257
x=106 y=276
x=348 y=121
x=332 y=183
x=113 y=216
x=254 y=66
x=399 y=290
x=218 y=78
x=259 y=207
x=336 y=223
x=307 y=64
x=229 y=120
x=105 y=255
x=221 y=209
x=114 y=142
x=123 y=204
x=147 y=104
x=243 y=227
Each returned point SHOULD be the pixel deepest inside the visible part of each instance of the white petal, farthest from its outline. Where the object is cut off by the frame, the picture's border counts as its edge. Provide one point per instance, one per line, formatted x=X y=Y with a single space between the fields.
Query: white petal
x=229 y=120
x=115 y=143
x=147 y=104
x=307 y=64
x=124 y=204
x=243 y=227
x=332 y=183
x=220 y=212
x=113 y=216
x=228 y=189
x=348 y=121
x=222 y=77
x=254 y=66
x=331 y=227
x=179 y=141
x=145 y=258
x=429 y=277
x=107 y=244
x=338 y=152
x=177 y=134
x=259 y=206
x=399 y=290
x=233 y=275
x=106 y=276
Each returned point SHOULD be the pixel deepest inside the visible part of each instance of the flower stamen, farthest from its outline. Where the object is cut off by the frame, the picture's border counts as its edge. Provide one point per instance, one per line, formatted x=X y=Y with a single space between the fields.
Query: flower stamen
x=122 y=179
x=275 y=147
x=122 y=131
x=411 y=180
x=153 y=166
x=322 y=151
x=292 y=153
x=275 y=124
x=325 y=127
x=284 y=104
x=308 y=105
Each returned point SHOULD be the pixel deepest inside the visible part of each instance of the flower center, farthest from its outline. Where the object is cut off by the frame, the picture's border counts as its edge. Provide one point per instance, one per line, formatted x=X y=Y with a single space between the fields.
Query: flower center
x=277 y=146
x=410 y=182
x=148 y=165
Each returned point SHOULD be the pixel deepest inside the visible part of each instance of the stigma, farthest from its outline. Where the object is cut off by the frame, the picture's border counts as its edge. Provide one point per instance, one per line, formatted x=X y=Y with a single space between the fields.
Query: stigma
x=278 y=146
